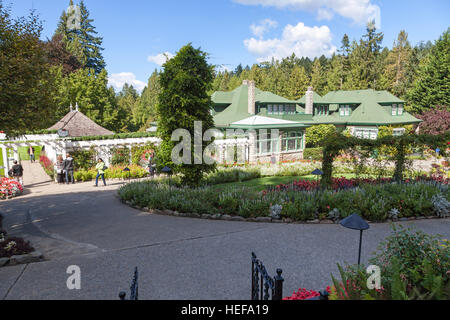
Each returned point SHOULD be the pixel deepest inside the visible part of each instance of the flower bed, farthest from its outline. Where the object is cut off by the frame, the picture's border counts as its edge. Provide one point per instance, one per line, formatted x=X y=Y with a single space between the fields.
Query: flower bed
x=10 y=188
x=374 y=202
x=10 y=246
x=113 y=172
x=47 y=165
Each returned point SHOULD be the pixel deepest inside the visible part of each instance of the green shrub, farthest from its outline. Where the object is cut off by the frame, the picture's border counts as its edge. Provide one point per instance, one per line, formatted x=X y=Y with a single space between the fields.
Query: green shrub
x=414 y=265
x=313 y=153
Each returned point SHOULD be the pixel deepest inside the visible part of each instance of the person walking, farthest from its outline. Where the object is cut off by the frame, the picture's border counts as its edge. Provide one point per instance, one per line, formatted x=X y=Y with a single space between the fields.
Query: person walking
x=17 y=172
x=60 y=169
x=31 y=153
x=68 y=168
x=101 y=167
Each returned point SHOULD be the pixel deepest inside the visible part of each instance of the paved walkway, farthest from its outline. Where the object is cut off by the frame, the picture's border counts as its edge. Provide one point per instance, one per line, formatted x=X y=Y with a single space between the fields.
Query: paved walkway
x=178 y=258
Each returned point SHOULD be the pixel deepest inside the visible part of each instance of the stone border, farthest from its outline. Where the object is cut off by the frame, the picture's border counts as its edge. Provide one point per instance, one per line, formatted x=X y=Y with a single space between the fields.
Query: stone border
x=34 y=256
x=226 y=217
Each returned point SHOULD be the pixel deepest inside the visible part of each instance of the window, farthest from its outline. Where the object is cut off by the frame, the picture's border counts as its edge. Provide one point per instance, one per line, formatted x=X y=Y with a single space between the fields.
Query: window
x=398 y=132
x=280 y=109
x=400 y=109
x=275 y=109
x=394 y=109
x=366 y=133
x=344 y=110
x=322 y=110
x=266 y=144
x=269 y=109
x=291 y=141
x=293 y=109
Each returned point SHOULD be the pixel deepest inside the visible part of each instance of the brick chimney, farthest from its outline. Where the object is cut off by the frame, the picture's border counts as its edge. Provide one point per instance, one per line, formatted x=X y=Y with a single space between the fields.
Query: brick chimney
x=251 y=96
x=309 y=101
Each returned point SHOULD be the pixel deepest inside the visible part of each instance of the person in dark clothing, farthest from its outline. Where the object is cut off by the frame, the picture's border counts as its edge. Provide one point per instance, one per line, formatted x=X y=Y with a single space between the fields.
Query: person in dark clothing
x=17 y=171
x=68 y=168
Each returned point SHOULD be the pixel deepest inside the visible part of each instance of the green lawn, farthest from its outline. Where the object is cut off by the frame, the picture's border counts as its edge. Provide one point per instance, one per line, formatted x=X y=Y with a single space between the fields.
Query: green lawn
x=258 y=184
x=23 y=153
x=263 y=183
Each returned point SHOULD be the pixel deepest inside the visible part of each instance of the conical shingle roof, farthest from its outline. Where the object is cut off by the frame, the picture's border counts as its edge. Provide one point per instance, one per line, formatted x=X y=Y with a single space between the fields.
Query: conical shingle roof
x=79 y=125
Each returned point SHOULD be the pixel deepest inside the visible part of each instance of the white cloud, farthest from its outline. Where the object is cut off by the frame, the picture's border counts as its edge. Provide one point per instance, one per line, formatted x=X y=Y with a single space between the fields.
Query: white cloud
x=223 y=68
x=160 y=58
x=359 y=11
x=302 y=40
x=117 y=81
x=261 y=28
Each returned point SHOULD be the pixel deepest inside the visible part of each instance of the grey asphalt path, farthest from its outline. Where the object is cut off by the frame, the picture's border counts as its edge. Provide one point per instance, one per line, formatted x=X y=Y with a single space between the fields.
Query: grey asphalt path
x=178 y=258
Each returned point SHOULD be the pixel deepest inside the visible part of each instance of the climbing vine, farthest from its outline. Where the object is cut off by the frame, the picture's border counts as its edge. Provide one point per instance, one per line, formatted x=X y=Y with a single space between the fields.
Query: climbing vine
x=335 y=144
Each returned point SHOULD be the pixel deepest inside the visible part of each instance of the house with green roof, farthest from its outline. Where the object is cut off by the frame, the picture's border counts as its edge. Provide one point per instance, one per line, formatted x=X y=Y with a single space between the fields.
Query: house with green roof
x=278 y=124
x=359 y=111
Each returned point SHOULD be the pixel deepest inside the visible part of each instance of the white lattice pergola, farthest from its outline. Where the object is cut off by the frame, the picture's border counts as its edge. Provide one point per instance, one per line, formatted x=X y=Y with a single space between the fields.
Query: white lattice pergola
x=55 y=146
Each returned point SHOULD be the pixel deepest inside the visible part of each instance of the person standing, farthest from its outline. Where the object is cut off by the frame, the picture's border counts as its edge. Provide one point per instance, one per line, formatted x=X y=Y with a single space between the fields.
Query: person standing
x=101 y=167
x=68 y=167
x=31 y=153
x=17 y=171
x=59 y=169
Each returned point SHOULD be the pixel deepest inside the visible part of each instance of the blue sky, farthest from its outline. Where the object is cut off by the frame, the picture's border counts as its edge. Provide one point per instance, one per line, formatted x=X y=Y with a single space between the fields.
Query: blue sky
x=136 y=32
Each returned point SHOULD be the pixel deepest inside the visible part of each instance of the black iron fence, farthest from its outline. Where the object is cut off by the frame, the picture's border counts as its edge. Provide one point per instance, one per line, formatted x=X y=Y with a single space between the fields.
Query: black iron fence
x=264 y=286
x=133 y=288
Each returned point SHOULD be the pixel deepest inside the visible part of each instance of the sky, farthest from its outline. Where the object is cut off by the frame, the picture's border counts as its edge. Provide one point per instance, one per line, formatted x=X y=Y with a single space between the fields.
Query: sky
x=139 y=35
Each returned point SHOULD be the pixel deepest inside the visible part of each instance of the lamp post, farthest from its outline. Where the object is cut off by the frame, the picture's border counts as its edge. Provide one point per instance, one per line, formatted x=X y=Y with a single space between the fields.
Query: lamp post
x=126 y=169
x=168 y=171
x=317 y=172
x=355 y=222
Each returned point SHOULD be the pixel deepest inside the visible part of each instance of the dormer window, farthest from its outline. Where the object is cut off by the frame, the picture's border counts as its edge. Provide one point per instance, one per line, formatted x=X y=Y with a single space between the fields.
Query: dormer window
x=344 y=110
x=269 y=109
x=322 y=110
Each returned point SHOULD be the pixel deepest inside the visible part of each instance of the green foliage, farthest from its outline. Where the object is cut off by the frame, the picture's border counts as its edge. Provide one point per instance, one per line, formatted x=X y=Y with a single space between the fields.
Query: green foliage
x=372 y=202
x=120 y=156
x=82 y=43
x=24 y=74
x=140 y=153
x=431 y=86
x=315 y=135
x=184 y=99
x=313 y=153
x=84 y=159
x=414 y=265
x=335 y=144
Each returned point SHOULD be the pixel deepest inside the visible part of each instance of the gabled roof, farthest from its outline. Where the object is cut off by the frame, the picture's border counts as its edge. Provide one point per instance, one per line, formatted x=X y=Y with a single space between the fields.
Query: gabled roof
x=358 y=96
x=79 y=125
x=237 y=100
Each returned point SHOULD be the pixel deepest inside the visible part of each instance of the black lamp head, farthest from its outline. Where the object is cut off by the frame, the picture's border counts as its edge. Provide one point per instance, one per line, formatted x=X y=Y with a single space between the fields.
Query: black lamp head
x=126 y=169
x=355 y=222
x=166 y=169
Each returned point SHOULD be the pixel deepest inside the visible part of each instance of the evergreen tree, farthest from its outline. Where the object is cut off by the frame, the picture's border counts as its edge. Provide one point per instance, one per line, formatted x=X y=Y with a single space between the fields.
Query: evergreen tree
x=82 y=42
x=145 y=109
x=432 y=88
x=318 y=80
x=394 y=76
x=184 y=99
